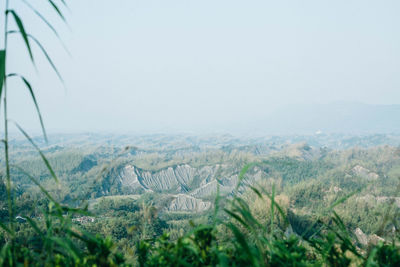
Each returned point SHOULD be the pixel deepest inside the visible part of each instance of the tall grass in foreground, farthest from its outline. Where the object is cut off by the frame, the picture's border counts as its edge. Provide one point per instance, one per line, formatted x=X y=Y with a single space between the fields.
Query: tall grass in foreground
x=240 y=238
x=235 y=237
x=55 y=241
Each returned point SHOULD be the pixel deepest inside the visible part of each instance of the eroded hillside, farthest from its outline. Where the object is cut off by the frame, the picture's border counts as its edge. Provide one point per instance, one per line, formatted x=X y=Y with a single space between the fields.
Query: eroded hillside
x=188 y=174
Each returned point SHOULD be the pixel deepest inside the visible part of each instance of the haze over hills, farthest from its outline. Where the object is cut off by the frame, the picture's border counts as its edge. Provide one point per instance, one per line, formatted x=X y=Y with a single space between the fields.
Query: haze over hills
x=339 y=117
x=297 y=119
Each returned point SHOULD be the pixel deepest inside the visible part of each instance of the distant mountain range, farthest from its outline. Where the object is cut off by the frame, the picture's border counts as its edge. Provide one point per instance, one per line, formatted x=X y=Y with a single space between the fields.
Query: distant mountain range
x=348 y=118
x=340 y=117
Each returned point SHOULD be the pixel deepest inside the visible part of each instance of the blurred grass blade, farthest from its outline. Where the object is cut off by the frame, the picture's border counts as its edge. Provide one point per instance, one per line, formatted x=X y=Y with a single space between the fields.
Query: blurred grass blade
x=41 y=17
x=5 y=228
x=343 y=199
x=216 y=205
x=272 y=209
x=36 y=183
x=82 y=235
x=21 y=28
x=3 y=255
x=256 y=191
x=47 y=23
x=47 y=57
x=53 y=174
x=243 y=243
x=277 y=206
x=68 y=246
x=64 y=3
x=339 y=222
x=245 y=211
x=28 y=85
x=244 y=170
x=237 y=218
x=371 y=255
x=76 y=211
x=34 y=226
x=57 y=9
x=242 y=173
x=2 y=69
x=53 y=66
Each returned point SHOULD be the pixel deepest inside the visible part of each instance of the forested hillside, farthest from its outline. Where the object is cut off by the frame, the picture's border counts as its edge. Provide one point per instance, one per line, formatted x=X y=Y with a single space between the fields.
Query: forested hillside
x=160 y=193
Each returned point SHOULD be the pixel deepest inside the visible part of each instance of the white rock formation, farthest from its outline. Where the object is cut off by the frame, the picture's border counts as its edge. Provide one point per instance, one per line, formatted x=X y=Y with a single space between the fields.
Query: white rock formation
x=183 y=202
x=362 y=172
x=365 y=240
x=362 y=238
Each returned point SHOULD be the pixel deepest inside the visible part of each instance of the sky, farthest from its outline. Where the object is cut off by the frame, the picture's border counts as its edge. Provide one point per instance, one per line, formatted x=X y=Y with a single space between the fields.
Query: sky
x=203 y=66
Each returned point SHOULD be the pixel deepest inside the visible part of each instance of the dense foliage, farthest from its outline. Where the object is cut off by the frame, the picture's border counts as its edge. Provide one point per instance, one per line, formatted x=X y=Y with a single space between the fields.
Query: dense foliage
x=241 y=234
x=304 y=212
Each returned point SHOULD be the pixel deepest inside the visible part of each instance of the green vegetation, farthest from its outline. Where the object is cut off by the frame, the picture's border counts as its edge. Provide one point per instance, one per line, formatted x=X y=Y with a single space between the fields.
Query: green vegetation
x=298 y=212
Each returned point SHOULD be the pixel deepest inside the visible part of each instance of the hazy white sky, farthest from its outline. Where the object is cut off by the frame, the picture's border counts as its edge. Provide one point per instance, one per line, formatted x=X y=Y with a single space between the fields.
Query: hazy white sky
x=168 y=65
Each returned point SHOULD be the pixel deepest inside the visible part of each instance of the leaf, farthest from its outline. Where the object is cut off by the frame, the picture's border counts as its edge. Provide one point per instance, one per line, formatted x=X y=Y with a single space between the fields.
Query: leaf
x=47 y=57
x=54 y=5
x=237 y=217
x=243 y=243
x=28 y=85
x=22 y=31
x=371 y=256
x=5 y=228
x=255 y=190
x=44 y=191
x=343 y=199
x=41 y=17
x=64 y=3
x=278 y=207
x=2 y=69
x=68 y=246
x=272 y=208
x=82 y=235
x=76 y=211
x=197 y=229
x=3 y=255
x=242 y=174
x=339 y=222
x=47 y=23
x=244 y=210
x=46 y=162
x=245 y=169
x=34 y=226
x=216 y=205
x=45 y=53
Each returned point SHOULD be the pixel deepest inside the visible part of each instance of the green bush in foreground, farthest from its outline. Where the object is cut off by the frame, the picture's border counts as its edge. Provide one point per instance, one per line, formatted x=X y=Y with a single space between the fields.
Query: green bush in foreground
x=255 y=244
x=237 y=236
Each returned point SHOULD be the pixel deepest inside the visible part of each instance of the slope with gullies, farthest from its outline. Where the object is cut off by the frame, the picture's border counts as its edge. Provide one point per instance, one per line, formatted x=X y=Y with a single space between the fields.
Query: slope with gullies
x=190 y=179
x=190 y=187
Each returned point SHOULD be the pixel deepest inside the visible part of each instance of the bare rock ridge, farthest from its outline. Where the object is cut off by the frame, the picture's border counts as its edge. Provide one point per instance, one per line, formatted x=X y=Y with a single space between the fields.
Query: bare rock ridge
x=184 y=202
x=362 y=172
x=205 y=190
x=190 y=187
x=365 y=239
x=171 y=179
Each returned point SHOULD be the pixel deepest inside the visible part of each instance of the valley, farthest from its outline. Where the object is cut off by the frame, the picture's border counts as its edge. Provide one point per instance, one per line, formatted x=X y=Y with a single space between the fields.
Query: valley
x=142 y=187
